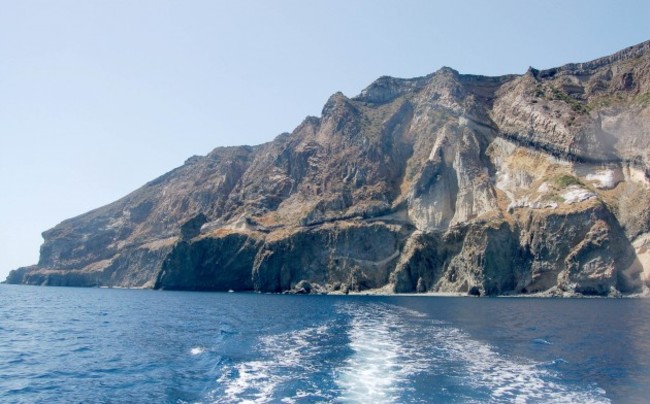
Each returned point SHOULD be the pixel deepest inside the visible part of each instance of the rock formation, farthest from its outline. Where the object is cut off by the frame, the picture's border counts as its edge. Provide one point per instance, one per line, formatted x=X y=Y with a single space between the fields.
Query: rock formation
x=533 y=183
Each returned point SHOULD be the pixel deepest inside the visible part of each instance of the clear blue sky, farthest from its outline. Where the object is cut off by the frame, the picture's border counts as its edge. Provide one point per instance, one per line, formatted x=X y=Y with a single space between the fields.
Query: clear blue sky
x=98 y=97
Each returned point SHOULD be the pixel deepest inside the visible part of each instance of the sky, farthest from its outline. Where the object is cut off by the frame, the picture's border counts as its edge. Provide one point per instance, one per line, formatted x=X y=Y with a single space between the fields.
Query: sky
x=99 y=97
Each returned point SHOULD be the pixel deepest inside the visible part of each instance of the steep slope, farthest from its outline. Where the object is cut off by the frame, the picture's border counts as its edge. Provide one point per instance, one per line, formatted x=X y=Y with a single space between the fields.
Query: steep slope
x=444 y=183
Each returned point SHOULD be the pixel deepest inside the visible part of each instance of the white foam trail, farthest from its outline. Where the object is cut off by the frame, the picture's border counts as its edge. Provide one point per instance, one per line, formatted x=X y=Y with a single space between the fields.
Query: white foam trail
x=288 y=357
x=388 y=354
x=506 y=379
x=379 y=369
x=390 y=348
x=372 y=370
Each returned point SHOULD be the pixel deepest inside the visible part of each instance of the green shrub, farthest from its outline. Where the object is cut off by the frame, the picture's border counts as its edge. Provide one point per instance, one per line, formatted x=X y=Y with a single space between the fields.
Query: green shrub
x=566 y=180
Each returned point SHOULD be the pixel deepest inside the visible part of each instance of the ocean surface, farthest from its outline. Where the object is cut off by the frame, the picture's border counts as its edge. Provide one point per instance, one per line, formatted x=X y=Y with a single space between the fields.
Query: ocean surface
x=107 y=345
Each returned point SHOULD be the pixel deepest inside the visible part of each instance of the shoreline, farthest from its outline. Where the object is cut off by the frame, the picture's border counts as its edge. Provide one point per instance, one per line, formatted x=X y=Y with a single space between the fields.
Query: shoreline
x=371 y=292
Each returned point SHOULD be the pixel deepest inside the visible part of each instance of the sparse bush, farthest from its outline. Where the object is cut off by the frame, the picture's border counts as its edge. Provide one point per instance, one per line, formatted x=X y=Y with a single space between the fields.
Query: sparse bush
x=566 y=180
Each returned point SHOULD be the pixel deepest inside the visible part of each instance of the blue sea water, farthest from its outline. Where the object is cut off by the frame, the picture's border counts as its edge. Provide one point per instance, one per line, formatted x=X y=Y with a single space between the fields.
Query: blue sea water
x=107 y=345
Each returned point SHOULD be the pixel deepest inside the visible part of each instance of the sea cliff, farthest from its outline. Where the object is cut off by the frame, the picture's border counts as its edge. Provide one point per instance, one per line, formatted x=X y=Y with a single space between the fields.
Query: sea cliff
x=520 y=184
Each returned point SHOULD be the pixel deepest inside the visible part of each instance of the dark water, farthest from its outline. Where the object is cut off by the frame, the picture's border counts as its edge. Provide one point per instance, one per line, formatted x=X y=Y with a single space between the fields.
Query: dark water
x=98 y=345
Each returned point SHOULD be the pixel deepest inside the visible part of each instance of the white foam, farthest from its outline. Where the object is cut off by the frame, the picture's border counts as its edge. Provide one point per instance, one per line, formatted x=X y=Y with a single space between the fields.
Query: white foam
x=197 y=350
x=380 y=367
x=288 y=357
x=508 y=379
x=388 y=353
x=386 y=358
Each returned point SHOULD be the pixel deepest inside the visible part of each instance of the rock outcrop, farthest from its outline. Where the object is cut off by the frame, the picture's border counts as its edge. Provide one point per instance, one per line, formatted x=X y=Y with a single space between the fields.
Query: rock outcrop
x=533 y=183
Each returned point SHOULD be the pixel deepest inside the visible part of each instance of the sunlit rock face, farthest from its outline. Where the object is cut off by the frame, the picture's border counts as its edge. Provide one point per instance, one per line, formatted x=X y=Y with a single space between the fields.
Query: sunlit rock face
x=533 y=183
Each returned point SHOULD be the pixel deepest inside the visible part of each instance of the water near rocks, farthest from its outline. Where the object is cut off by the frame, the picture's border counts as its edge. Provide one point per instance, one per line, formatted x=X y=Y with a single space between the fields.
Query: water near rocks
x=109 y=345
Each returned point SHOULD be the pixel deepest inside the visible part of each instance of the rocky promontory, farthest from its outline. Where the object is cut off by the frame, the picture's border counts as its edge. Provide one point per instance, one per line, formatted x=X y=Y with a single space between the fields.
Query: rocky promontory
x=520 y=184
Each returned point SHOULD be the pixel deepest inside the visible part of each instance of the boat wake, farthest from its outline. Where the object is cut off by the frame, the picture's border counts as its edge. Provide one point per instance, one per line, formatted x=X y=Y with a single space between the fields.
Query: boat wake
x=288 y=369
x=372 y=353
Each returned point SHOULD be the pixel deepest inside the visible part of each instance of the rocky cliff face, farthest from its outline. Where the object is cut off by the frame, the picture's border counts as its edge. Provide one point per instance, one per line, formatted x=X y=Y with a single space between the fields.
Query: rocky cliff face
x=538 y=183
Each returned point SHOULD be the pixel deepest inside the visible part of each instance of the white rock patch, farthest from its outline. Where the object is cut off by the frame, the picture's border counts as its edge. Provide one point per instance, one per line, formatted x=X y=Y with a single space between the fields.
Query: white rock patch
x=575 y=194
x=605 y=178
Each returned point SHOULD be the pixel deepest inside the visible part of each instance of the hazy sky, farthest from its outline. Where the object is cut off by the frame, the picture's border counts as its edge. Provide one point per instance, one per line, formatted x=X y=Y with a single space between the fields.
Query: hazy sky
x=99 y=97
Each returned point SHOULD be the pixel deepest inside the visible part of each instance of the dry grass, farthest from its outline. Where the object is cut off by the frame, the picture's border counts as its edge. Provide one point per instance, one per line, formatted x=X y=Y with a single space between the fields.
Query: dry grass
x=158 y=244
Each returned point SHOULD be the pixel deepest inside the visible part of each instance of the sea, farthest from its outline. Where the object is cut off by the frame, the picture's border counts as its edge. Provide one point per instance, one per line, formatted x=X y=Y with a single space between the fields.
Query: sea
x=77 y=345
